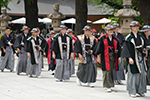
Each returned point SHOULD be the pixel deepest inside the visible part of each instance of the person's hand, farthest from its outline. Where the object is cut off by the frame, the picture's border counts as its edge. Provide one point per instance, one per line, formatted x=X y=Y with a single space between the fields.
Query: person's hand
x=98 y=59
x=4 y=50
x=145 y=58
x=40 y=48
x=54 y=56
x=18 y=50
x=91 y=51
x=80 y=57
x=144 y=51
x=44 y=54
x=131 y=61
x=119 y=60
x=10 y=45
x=72 y=54
x=28 y=54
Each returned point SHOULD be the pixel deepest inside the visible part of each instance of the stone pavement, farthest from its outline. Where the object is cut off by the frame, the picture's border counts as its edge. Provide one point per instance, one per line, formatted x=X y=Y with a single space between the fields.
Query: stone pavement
x=14 y=87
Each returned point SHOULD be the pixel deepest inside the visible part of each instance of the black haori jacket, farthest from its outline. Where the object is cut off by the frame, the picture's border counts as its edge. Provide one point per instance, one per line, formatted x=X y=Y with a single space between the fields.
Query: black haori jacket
x=102 y=47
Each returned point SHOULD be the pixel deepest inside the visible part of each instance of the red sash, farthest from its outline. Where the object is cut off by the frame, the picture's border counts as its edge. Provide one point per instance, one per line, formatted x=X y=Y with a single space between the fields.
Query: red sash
x=106 y=53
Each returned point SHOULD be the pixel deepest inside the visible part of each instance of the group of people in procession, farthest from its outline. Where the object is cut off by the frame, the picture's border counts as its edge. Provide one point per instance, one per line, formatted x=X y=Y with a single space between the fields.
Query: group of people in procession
x=109 y=49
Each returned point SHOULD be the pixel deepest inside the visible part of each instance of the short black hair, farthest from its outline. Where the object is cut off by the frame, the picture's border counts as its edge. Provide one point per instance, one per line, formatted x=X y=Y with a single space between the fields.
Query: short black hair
x=7 y=28
x=51 y=28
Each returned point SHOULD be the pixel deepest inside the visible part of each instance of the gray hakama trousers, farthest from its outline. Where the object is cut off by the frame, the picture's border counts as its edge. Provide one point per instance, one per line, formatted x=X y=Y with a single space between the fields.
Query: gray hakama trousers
x=7 y=61
x=136 y=83
x=35 y=69
x=108 y=78
x=148 y=71
x=119 y=75
x=62 y=68
x=22 y=61
x=87 y=73
x=71 y=66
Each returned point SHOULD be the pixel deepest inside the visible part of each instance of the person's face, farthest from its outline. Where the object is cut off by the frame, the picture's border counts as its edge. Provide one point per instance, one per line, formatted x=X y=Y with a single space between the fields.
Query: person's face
x=147 y=32
x=63 y=30
x=7 y=31
x=35 y=33
x=70 y=33
x=135 y=28
x=116 y=29
x=87 y=32
x=102 y=32
x=52 y=35
x=110 y=31
x=26 y=31
x=38 y=31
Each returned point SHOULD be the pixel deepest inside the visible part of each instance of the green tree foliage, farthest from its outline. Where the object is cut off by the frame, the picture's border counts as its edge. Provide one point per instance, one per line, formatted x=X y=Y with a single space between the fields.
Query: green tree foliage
x=117 y=4
x=4 y=3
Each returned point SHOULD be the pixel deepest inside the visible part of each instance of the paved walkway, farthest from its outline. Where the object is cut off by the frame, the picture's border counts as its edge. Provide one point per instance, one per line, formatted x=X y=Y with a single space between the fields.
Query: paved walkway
x=14 y=87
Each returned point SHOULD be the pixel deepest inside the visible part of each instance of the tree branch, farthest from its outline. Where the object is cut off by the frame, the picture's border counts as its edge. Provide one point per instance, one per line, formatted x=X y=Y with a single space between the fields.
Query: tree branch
x=112 y=4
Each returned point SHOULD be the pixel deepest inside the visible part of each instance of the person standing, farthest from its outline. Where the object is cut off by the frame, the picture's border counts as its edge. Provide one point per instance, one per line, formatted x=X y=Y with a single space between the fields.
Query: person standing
x=20 y=44
x=87 y=71
x=109 y=47
x=44 y=32
x=43 y=45
x=34 y=53
x=146 y=34
x=133 y=51
x=71 y=60
x=49 y=30
x=119 y=75
x=7 y=56
x=61 y=49
x=51 y=61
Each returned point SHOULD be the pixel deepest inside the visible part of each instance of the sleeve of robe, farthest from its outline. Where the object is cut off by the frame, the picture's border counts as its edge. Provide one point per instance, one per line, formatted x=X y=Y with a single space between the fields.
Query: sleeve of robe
x=77 y=47
x=55 y=46
x=94 y=45
x=119 y=50
x=2 y=42
x=17 y=42
x=2 y=45
x=46 y=49
x=122 y=38
x=28 y=47
x=44 y=43
x=125 y=53
x=98 y=47
x=71 y=46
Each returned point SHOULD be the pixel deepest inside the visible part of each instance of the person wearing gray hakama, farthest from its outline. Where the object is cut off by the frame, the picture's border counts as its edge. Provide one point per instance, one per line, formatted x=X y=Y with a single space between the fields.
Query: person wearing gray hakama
x=134 y=52
x=34 y=52
x=7 y=56
x=119 y=75
x=61 y=51
x=71 y=66
x=109 y=48
x=20 y=44
x=148 y=71
x=62 y=68
x=71 y=60
x=43 y=45
x=136 y=83
x=146 y=33
x=35 y=69
x=22 y=61
x=87 y=71
x=7 y=61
